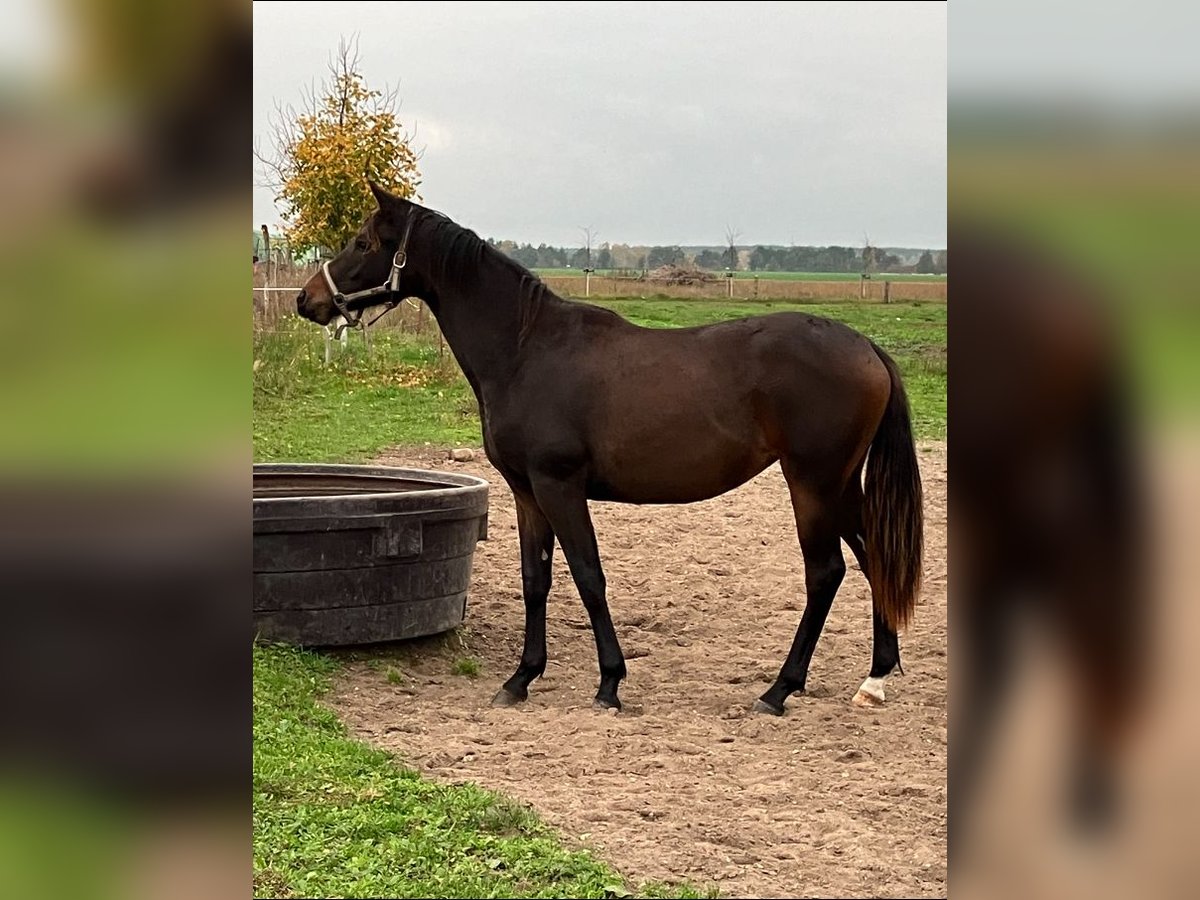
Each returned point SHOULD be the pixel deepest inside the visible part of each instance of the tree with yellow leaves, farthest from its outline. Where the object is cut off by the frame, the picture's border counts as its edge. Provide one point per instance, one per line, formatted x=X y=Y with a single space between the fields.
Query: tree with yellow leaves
x=324 y=155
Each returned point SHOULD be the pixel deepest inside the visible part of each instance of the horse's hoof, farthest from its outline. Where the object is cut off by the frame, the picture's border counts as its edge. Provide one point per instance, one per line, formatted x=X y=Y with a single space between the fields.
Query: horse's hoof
x=605 y=704
x=867 y=700
x=870 y=695
x=761 y=706
x=504 y=697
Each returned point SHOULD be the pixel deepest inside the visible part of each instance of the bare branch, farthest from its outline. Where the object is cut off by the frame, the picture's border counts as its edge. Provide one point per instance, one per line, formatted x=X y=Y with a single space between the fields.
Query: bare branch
x=868 y=254
x=731 y=236
x=345 y=64
x=272 y=169
x=590 y=235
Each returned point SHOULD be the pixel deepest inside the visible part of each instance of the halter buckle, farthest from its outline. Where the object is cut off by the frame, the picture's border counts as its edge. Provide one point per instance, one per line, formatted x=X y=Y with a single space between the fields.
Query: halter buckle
x=398 y=262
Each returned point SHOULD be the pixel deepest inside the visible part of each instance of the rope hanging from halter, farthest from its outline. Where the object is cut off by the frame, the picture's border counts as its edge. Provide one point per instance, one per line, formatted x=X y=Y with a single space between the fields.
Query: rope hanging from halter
x=352 y=318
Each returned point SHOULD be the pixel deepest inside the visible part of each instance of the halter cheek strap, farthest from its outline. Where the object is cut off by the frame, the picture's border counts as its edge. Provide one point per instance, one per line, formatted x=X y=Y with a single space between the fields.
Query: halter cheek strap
x=329 y=279
x=353 y=316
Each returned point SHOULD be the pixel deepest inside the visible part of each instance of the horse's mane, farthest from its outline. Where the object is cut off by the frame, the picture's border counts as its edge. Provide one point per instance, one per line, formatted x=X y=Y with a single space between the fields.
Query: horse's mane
x=463 y=255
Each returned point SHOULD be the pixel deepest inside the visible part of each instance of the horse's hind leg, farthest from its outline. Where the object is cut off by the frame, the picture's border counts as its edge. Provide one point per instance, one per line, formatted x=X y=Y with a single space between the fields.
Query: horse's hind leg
x=537 y=551
x=824 y=568
x=885 y=651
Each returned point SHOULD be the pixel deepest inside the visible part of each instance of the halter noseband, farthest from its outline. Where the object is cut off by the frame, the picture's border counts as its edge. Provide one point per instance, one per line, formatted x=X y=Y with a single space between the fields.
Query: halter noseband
x=353 y=317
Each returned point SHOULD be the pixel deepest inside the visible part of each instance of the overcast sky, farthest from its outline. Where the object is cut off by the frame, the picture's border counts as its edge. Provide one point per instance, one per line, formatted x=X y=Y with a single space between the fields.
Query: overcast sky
x=1137 y=53
x=654 y=123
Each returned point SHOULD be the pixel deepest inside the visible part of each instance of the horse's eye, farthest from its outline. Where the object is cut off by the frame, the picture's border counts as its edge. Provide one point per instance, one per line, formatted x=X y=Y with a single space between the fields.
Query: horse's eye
x=360 y=245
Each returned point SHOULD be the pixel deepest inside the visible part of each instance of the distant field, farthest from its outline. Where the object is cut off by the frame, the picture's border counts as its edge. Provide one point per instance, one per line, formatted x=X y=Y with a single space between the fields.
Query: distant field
x=774 y=276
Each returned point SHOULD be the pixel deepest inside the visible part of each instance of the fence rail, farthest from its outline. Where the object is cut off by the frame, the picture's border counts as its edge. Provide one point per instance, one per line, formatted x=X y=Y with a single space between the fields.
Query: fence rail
x=878 y=288
x=274 y=292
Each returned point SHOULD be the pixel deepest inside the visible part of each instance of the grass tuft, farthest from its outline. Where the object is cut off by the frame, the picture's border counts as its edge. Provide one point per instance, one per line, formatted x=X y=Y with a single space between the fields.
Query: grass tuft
x=466 y=665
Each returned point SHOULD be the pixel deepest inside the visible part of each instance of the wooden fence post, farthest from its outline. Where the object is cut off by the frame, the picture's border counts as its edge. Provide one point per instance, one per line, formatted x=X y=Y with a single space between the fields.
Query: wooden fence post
x=267 y=255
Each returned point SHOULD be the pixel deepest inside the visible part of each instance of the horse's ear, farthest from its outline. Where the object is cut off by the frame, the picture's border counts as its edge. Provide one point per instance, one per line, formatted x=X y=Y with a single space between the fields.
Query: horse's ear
x=392 y=208
x=385 y=200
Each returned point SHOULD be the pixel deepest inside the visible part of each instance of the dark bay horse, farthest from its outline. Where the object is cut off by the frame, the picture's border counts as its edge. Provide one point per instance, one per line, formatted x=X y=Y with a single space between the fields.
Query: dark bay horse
x=577 y=403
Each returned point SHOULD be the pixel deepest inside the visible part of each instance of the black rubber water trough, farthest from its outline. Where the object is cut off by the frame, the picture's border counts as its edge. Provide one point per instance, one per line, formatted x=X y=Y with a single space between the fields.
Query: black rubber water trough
x=362 y=554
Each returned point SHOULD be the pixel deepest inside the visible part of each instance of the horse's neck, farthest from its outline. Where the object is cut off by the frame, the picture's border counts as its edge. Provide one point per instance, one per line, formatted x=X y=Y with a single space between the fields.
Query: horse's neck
x=483 y=329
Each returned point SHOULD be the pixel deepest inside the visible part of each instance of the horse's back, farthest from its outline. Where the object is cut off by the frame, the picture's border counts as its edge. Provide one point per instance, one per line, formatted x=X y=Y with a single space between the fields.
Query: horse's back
x=782 y=352
x=815 y=387
x=672 y=415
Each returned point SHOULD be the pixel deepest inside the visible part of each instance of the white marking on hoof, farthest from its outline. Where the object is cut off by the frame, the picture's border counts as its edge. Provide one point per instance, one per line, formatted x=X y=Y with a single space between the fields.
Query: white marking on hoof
x=545 y=556
x=871 y=693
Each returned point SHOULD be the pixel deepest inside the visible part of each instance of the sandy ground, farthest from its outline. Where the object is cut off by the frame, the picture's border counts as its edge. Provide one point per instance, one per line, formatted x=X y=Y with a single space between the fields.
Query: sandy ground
x=686 y=782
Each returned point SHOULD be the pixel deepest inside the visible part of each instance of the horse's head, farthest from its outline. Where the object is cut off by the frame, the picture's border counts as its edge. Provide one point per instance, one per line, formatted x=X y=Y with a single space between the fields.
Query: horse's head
x=370 y=265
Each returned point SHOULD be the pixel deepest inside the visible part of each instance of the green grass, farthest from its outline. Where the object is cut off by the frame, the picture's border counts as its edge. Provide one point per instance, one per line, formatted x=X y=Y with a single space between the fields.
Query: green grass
x=467 y=666
x=336 y=818
x=404 y=394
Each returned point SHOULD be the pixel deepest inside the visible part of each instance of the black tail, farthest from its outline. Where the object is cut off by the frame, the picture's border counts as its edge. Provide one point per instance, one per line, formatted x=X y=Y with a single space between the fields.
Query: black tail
x=893 y=516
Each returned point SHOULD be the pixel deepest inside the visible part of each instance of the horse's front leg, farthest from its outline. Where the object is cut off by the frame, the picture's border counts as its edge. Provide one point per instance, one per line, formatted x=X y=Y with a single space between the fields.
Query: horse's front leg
x=537 y=551
x=564 y=503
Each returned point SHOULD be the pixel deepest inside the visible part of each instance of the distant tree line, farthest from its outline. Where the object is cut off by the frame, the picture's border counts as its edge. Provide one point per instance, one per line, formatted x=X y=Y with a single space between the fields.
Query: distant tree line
x=815 y=259
x=759 y=258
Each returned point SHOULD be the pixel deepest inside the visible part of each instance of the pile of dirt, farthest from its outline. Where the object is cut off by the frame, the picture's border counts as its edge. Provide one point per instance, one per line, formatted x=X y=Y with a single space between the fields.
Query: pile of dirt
x=671 y=274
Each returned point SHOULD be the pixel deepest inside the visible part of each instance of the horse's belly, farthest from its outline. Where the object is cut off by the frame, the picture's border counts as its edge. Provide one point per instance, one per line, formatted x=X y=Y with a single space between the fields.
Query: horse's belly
x=679 y=472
